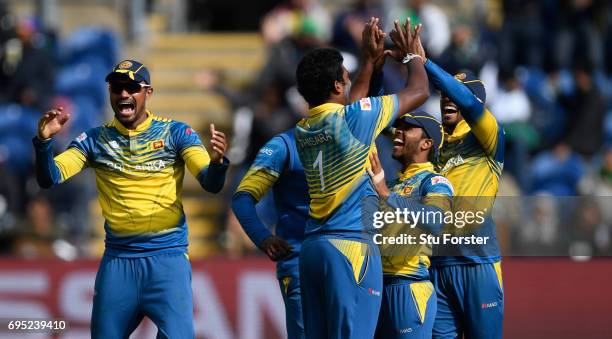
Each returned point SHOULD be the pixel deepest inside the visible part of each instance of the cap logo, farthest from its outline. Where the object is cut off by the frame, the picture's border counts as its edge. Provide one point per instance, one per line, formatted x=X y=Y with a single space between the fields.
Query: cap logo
x=125 y=65
x=460 y=76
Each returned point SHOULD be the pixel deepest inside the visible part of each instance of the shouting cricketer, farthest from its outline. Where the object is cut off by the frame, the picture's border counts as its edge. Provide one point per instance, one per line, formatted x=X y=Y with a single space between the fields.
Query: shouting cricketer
x=139 y=160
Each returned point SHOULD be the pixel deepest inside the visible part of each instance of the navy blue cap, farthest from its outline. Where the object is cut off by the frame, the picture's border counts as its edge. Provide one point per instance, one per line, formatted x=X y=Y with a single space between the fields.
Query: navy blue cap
x=431 y=126
x=130 y=70
x=473 y=83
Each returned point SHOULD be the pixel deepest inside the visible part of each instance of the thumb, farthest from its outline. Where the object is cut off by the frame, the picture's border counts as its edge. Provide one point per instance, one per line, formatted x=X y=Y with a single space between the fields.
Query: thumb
x=212 y=129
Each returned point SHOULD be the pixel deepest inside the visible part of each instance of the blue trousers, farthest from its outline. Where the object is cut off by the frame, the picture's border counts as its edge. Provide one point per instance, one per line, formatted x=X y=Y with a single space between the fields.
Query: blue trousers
x=290 y=289
x=127 y=289
x=408 y=309
x=470 y=301
x=341 y=287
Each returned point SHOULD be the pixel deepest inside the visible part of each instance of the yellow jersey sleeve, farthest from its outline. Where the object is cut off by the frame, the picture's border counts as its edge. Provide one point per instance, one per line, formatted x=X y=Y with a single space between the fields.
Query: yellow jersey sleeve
x=486 y=130
x=196 y=159
x=258 y=181
x=70 y=162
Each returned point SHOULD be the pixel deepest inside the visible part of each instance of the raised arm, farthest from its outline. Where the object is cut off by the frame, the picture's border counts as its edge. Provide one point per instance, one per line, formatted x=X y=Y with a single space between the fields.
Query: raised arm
x=407 y=45
x=208 y=170
x=485 y=127
x=52 y=171
x=372 y=49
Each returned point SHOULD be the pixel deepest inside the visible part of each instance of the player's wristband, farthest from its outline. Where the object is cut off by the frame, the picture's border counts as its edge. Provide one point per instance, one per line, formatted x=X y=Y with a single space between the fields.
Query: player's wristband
x=376 y=178
x=409 y=57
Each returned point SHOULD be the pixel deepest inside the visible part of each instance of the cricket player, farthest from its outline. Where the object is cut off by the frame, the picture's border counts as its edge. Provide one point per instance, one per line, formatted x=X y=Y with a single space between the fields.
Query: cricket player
x=409 y=300
x=468 y=279
x=139 y=160
x=278 y=167
x=340 y=267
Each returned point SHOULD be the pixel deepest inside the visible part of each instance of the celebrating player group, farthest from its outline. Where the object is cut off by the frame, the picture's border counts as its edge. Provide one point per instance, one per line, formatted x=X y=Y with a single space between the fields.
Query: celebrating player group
x=335 y=281
x=328 y=183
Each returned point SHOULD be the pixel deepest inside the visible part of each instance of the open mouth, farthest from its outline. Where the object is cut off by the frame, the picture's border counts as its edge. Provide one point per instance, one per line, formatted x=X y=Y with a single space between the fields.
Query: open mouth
x=450 y=109
x=397 y=142
x=126 y=107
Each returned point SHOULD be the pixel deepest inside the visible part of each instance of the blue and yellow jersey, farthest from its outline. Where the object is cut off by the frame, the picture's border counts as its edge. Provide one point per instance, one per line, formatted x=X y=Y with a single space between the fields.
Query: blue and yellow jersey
x=334 y=143
x=278 y=168
x=418 y=181
x=139 y=177
x=472 y=159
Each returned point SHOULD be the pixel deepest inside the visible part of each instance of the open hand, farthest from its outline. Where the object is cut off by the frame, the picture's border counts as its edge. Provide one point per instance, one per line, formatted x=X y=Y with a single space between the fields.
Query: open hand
x=373 y=41
x=52 y=122
x=406 y=41
x=417 y=44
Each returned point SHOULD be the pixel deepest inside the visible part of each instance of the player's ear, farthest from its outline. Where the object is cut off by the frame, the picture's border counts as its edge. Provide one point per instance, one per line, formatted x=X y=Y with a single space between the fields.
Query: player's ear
x=338 y=87
x=426 y=144
x=149 y=91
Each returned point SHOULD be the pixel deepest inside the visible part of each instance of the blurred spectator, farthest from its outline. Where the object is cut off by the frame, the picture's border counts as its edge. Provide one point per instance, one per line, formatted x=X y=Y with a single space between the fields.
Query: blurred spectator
x=464 y=52
x=37 y=234
x=601 y=187
x=283 y=20
x=603 y=178
x=349 y=24
x=520 y=41
x=590 y=235
x=586 y=107
x=549 y=117
x=539 y=232
x=436 y=29
x=28 y=68
x=283 y=57
x=556 y=172
x=510 y=103
x=512 y=109
x=580 y=26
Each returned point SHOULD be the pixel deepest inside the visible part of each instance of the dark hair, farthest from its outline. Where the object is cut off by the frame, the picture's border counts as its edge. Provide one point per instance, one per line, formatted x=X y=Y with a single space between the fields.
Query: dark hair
x=316 y=74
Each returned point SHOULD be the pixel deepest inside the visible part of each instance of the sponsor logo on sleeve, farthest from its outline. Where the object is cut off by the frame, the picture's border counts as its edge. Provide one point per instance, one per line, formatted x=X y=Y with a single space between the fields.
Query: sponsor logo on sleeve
x=81 y=137
x=365 y=104
x=266 y=151
x=441 y=180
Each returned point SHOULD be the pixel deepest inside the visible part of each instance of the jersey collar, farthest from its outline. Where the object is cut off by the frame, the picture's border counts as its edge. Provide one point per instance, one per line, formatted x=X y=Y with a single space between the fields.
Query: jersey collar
x=414 y=169
x=140 y=128
x=326 y=107
x=461 y=129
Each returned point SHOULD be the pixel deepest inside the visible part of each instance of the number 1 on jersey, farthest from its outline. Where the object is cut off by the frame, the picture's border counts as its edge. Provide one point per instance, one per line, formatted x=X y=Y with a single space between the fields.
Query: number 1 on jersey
x=319 y=162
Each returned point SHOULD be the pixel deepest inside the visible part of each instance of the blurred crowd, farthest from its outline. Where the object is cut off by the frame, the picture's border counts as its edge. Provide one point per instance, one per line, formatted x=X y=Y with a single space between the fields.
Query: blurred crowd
x=547 y=68
x=38 y=71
